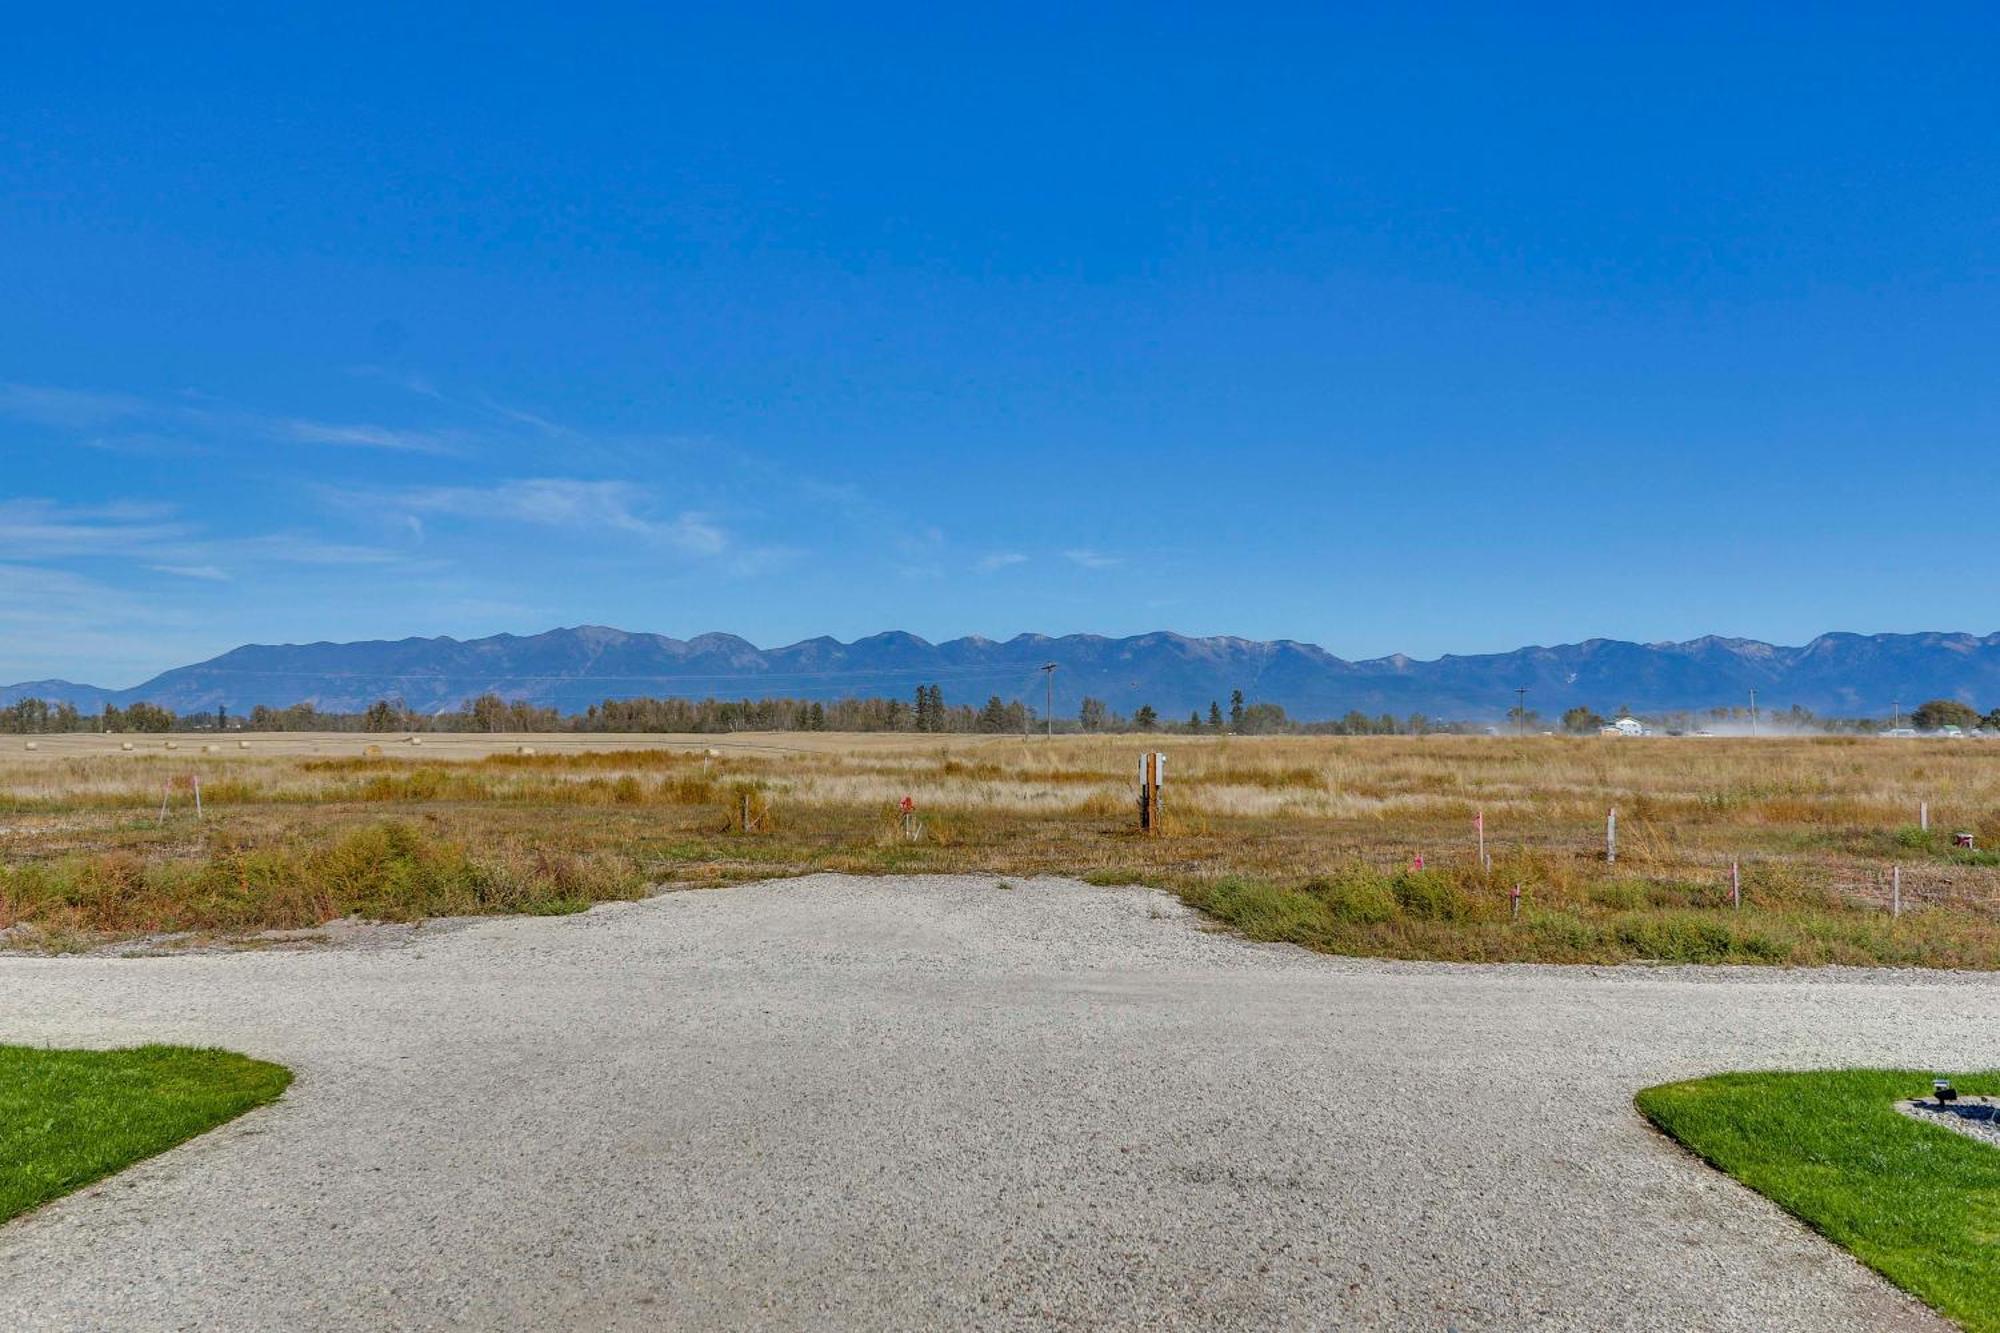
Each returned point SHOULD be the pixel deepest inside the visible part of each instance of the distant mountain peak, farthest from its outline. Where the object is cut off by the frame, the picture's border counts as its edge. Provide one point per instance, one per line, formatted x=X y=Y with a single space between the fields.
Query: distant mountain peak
x=573 y=667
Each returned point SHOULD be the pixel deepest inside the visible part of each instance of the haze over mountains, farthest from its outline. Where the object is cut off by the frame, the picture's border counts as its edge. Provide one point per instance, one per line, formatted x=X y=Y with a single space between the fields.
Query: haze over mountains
x=570 y=669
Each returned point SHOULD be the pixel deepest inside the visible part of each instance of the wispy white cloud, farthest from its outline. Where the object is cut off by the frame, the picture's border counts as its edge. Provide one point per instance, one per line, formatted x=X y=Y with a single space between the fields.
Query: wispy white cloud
x=32 y=529
x=195 y=420
x=66 y=409
x=40 y=530
x=373 y=437
x=297 y=548
x=559 y=502
x=51 y=620
x=536 y=422
x=402 y=379
x=1000 y=560
x=1085 y=558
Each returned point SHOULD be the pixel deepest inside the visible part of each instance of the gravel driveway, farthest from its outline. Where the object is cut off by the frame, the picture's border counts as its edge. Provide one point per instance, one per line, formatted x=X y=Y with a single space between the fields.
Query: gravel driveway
x=937 y=1102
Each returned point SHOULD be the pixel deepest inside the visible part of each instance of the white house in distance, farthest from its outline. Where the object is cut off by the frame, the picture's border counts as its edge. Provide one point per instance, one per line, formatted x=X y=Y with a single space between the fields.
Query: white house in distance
x=1624 y=726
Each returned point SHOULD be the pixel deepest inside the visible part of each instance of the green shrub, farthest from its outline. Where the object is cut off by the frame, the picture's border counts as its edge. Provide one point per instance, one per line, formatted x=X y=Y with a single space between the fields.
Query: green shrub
x=1430 y=895
x=1621 y=895
x=1676 y=937
x=1358 y=895
x=1265 y=911
x=1560 y=936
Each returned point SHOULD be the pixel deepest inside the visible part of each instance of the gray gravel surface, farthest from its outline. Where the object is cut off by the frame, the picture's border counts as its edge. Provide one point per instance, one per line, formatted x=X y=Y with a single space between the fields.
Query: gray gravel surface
x=935 y=1102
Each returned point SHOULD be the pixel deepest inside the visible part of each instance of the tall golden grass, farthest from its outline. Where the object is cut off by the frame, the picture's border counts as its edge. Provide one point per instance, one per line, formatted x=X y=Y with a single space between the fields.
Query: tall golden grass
x=1256 y=828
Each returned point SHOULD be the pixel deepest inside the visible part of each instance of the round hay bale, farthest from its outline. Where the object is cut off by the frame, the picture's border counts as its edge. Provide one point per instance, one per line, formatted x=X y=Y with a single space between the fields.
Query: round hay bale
x=125 y=745
x=524 y=749
x=243 y=745
x=34 y=745
x=416 y=740
x=372 y=751
x=173 y=745
x=211 y=749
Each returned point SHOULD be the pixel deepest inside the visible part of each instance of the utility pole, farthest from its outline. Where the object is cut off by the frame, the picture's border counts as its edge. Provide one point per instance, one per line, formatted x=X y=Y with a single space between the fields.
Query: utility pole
x=1049 y=697
x=1521 y=709
x=1753 y=712
x=1896 y=708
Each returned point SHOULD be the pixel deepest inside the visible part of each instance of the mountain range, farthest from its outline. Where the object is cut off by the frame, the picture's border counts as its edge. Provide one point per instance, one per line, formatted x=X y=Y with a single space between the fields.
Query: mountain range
x=570 y=669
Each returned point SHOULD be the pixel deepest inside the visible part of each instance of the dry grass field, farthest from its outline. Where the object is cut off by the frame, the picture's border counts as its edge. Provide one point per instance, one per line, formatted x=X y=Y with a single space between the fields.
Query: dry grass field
x=1306 y=839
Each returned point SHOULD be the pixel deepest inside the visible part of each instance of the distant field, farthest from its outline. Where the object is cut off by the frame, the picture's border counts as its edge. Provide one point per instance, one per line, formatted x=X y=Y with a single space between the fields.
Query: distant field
x=1304 y=839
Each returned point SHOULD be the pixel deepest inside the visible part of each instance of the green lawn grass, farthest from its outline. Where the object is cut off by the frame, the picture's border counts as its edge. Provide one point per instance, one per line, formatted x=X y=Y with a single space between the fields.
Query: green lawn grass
x=68 y=1118
x=1920 y=1204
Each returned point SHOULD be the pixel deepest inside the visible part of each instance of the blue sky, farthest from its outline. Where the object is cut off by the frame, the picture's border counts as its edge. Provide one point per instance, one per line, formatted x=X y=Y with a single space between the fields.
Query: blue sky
x=1424 y=334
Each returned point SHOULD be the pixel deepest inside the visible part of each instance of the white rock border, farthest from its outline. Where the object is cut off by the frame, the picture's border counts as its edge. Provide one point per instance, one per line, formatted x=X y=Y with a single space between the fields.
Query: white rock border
x=1960 y=1116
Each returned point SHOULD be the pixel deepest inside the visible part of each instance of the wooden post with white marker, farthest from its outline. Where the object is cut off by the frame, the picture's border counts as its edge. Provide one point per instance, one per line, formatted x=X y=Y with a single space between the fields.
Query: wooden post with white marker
x=1152 y=776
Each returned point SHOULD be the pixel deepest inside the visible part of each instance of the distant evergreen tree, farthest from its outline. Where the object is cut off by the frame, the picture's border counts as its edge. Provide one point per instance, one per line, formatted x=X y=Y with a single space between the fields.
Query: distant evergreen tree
x=930 y=712
x=1146 y=719
x=1214 y=716
x=993 y=717
x=1236 y=711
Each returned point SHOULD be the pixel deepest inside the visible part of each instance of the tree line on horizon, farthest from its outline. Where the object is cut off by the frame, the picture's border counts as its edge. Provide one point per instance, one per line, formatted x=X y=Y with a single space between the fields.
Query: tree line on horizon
x=926 y=712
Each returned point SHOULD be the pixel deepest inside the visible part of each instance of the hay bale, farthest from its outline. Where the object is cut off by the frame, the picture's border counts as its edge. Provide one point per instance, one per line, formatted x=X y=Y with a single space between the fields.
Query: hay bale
x=125 y=745
x=243 y=745
x=524 y=749
x=372 y=751
x=173 y=745
x=416 y=740
x=211 y=749
x=34 y=745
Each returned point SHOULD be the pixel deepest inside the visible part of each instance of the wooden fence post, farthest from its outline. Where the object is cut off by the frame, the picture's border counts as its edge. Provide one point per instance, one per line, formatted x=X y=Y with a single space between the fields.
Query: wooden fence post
x=1152 y=775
